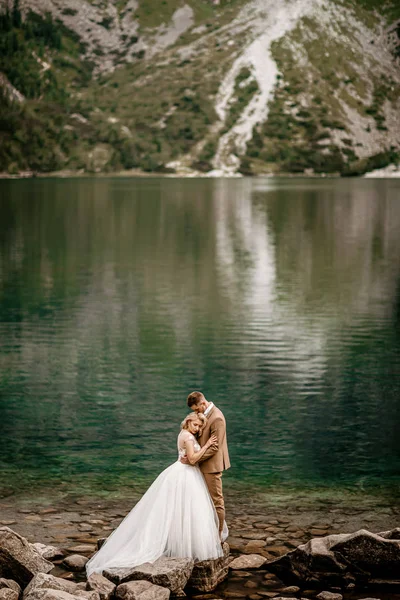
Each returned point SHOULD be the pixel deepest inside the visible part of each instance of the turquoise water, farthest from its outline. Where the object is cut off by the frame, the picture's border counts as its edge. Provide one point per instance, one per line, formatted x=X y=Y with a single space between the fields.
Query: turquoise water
x=280 y=299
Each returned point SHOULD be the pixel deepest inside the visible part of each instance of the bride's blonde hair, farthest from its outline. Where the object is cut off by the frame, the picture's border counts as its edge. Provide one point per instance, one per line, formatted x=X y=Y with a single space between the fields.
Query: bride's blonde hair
x=194 y=417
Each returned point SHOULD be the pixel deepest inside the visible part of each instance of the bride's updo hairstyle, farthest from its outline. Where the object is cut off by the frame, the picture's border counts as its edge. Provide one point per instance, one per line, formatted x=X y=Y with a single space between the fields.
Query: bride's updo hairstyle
x=194 y=417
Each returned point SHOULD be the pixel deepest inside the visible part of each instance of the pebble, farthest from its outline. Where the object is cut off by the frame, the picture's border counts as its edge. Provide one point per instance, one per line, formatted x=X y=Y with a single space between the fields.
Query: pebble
x=291 y=589
x=85 y=527
x=318 y=532
x=329 y=596
x=83 y=548
x=253 y=535
x=250 y=584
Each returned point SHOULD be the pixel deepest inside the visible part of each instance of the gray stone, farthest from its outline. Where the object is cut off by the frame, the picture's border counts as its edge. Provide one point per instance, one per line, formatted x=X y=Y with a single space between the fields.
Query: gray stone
x=101 y=585
x=44 y=581
x=171 y=573
x=248 y=561
x=207 y=574
x=48 y=552
x=329 y=596
x=141 y=590
x=18 y=560
x=75 y=562
x=338 y=560
x=292 y=589
x=8 y=594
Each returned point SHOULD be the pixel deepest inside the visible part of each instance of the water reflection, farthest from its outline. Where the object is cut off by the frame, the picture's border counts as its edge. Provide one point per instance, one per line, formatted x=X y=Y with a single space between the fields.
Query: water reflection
x=280 y=299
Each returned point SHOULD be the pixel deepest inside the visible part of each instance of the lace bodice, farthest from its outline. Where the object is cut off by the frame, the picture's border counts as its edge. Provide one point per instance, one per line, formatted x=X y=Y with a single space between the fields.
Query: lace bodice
x=184 y=437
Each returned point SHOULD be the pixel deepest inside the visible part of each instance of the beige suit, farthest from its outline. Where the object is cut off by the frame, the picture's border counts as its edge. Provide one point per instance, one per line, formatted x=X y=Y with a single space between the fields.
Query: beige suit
x=215 y=459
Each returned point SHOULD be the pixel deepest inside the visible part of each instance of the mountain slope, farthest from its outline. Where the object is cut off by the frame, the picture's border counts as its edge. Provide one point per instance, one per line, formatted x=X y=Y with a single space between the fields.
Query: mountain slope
x=249 y=86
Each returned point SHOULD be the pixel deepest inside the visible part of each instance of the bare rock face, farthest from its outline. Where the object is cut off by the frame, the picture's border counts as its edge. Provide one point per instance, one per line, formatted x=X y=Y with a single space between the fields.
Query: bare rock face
x=207 y=574
x=101 y=585
x=171 y=573
x=141 y=590
x=338 y=560
x=18 y=560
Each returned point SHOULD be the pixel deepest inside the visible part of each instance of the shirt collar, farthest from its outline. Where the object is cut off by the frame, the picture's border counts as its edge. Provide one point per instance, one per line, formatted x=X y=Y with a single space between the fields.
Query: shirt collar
x=209 y=409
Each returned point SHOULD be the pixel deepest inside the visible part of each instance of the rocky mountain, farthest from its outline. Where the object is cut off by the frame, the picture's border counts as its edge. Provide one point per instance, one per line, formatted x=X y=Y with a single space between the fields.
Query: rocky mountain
x=199 y=86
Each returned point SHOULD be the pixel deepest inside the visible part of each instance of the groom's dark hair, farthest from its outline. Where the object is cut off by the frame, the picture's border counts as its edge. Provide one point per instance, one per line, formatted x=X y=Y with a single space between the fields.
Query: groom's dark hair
x=194 y=398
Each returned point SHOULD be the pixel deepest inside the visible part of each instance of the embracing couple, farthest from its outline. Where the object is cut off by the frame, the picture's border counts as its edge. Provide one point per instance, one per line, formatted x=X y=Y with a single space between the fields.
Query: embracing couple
x=182 y=514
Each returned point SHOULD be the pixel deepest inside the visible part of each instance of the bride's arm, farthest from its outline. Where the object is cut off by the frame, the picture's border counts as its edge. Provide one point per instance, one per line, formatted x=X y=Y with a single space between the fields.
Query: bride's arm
x=194 y=457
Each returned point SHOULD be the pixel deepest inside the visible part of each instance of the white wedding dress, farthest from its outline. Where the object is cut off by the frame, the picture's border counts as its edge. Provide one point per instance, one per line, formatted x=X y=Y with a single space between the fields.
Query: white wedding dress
x=175 y=517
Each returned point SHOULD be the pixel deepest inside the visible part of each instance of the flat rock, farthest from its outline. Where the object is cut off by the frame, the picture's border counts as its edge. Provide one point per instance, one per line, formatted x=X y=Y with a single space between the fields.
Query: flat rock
x=253 y=535
x=207 y=574
x=236 y=543
x=75 y=562
x=101 y=585
x=18 y=560
x=51 y=594
x=48 y=552
x=171 y=573
x=44 y=581
x=247 y=561
x=329 y=596
x=83 y=548
x=141 y=590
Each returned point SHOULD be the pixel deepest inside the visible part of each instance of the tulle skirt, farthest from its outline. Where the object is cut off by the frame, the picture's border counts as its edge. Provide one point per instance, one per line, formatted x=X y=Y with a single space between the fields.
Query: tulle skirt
x=176 y=517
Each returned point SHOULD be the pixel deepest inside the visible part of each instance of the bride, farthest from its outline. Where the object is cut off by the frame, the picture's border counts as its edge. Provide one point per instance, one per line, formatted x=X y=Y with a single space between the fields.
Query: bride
x=175 y=517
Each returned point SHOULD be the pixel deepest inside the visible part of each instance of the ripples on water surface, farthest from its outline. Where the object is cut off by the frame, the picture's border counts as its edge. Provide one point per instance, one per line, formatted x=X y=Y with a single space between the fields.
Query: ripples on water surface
x=279 y=299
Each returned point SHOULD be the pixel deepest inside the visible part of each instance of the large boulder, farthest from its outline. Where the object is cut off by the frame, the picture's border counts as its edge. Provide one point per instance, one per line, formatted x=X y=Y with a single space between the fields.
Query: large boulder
x=18 y=560
x=338 y=560
x=207 y=574
x=44 y=581
x=51 y=594
x=171 y=573
x=141 y=590
x=101 y=585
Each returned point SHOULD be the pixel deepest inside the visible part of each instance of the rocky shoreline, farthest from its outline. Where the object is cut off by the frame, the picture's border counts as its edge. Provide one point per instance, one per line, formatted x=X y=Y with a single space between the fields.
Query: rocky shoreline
x=259 y=537
x=391 y=172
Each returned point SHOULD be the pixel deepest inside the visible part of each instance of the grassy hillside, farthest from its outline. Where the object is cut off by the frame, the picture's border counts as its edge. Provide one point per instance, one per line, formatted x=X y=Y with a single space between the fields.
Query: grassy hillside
x=146 y=113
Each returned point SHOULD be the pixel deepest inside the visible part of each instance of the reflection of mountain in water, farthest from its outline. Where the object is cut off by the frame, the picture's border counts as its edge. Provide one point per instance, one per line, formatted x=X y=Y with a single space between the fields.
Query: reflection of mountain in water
x=276 y=298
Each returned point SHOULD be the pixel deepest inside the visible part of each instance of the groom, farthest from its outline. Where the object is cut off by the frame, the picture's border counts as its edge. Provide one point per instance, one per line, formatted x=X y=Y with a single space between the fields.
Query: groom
x=216 y=458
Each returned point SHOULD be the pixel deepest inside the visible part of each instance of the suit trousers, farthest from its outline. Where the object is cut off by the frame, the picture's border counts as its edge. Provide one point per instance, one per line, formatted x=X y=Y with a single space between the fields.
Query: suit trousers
x=214 y=484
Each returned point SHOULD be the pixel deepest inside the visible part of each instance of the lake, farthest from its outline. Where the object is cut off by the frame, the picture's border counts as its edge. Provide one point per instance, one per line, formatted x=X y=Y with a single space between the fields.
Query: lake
x=278 y=298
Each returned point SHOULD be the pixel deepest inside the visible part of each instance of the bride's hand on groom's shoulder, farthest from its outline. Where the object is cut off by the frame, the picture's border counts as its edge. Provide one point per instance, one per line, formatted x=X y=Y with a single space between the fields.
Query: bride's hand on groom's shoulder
x=212 y=441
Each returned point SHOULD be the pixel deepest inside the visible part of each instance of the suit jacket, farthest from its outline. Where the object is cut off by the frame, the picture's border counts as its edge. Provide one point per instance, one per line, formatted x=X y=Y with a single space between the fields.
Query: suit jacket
x=216 y=458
